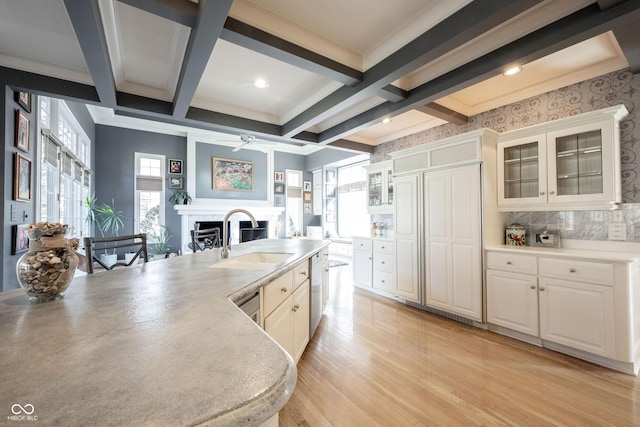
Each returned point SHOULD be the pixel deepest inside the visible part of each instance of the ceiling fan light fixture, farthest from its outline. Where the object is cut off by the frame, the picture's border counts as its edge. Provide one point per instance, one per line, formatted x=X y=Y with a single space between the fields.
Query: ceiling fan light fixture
x=260 y=83
x=513 y=70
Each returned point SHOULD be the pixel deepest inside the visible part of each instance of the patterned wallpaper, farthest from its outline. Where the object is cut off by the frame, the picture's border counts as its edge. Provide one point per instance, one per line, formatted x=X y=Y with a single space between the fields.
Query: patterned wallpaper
x=611 y=89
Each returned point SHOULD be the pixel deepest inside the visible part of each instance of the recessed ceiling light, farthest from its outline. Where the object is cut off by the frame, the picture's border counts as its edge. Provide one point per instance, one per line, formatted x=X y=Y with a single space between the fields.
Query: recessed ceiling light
x=260 y=83
x=386 y=120
x=512 y=71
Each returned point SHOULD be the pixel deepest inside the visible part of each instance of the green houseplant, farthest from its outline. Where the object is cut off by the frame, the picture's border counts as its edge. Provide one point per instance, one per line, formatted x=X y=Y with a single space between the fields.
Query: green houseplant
x=180 y=197
x=108 y=220
x=161 y=239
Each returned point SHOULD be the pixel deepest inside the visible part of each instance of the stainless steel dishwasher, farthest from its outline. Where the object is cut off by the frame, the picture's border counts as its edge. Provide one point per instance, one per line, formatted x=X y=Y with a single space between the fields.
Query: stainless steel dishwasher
x=251 y=306
x=315 y=303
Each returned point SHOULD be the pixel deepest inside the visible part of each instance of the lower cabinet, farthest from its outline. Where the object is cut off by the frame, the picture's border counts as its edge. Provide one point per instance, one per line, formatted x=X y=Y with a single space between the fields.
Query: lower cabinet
x=586 y=307
x=373 y=264
x=362 y=262
x=286 y=310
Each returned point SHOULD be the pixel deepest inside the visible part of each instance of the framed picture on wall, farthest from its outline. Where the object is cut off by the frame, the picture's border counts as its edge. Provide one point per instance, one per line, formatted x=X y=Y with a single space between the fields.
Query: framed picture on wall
x=278 y=188
x=19 y=238
x=278 y=177
x=306 y=186
x=307 y=208
x=22 y=131
x=330 y=217
x=330 y=190
x=24 y=99
x=306 y=196
x=22 y=178
x=175 y=183
x=232 y=175
x=175 y=166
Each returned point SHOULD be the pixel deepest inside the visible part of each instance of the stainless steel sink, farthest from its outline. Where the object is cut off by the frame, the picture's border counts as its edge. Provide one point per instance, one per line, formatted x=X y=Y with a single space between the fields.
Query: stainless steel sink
x=252 y=260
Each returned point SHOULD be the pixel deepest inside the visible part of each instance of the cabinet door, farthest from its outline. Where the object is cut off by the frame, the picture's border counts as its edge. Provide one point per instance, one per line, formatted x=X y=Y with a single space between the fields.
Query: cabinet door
x=581 y=164
x=512 y=301
x=522 y=171
x=362 y=267
x=578 y=315
x=374 y=186
x=325 y=285
x=453 y=230
x=300 y=320
x=278 y=325
x=407 y=283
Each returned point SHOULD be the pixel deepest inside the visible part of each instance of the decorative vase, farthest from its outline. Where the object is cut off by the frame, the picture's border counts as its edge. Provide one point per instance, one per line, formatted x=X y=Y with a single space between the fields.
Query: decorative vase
x=46 y=270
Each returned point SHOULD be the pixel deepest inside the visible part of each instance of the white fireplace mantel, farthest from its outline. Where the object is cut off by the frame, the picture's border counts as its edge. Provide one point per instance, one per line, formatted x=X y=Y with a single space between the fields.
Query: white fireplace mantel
x=217 y=209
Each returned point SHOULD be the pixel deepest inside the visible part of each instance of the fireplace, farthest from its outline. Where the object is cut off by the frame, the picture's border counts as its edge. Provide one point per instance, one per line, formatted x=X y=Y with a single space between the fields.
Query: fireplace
x=247 y=233
x=204 y=225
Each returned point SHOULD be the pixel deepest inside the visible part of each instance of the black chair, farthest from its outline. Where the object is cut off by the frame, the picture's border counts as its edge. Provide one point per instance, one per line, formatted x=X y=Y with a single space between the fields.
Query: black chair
x=208 y=238
x=94 y=244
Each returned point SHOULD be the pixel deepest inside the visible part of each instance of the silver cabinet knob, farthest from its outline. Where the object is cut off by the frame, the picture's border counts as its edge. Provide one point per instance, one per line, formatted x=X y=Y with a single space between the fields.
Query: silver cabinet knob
x=533 y=286
x=381 y=262
x=508 y=262
x=541 y=289
x=304 y=273
x=572 y=270
x=542 y=193
x=295 y=307
x=552 y=192
x=283 y=289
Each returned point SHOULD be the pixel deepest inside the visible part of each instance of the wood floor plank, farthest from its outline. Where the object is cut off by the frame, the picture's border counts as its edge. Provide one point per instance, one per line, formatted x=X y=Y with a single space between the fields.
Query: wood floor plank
x=376 y=362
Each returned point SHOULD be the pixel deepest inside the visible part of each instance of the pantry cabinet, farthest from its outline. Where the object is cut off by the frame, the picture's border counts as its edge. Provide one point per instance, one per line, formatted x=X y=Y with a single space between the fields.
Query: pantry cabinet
x=571 y=163
x=362 y=262
x=380 y=187
x=583 y=307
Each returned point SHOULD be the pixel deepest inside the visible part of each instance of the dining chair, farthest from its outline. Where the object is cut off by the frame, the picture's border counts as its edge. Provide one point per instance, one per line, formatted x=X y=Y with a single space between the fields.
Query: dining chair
x=138 y=243
x=208 y=238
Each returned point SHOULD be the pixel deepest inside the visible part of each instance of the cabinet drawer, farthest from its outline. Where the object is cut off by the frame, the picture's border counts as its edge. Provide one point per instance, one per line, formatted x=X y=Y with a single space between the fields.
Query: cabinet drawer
x=518 y=263
x=277 y=291
x=383 y=262
x=600 y=273
x=383 y=247
x=361 y=244
x=300 y=273
x=383 y=280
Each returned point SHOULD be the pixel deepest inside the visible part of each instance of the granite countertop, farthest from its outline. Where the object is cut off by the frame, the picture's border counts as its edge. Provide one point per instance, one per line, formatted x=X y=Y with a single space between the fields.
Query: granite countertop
x=160 y=343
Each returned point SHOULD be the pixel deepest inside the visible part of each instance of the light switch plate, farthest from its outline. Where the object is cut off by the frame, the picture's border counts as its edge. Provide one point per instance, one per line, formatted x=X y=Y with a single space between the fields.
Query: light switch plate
x=618 y=231
x=14 y=213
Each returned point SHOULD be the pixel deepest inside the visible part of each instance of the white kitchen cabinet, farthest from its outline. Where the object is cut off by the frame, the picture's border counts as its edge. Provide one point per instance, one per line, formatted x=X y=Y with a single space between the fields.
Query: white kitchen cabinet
x=380 y=187
x=286 y=309
x=583 y=307
x=512 y=301
x=453 y=240
x=383 y=265
x=362 y=262
x=406 y=223
x=571 y=163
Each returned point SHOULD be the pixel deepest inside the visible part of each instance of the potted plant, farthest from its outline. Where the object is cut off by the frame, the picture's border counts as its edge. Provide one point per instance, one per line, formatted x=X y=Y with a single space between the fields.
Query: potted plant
x=161 y=239
x=180 y=197
x=108 y=220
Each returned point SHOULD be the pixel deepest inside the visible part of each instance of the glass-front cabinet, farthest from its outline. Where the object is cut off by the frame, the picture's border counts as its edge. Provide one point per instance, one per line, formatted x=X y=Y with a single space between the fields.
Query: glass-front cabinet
x=380 y=187
x=571 y=163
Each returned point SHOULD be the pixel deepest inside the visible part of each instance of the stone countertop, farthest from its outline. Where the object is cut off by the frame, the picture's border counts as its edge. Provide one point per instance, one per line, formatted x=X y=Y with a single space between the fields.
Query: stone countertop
x=160 y=343
x=595 y=253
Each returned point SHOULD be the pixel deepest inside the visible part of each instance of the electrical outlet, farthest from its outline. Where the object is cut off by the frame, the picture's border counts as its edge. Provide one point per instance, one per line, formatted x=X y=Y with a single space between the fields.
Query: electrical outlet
x=618 y=231
x=618 y=216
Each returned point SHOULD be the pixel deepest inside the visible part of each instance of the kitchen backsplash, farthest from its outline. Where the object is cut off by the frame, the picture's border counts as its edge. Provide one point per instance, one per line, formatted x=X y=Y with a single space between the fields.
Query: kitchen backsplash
x=581 y=225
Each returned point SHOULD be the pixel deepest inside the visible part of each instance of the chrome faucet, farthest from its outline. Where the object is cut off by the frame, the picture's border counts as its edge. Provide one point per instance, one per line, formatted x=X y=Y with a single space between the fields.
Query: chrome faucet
x=225 y=230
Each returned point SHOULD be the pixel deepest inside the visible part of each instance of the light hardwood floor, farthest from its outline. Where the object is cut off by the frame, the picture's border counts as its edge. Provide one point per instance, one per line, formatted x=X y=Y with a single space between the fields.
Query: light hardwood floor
x=375 y=362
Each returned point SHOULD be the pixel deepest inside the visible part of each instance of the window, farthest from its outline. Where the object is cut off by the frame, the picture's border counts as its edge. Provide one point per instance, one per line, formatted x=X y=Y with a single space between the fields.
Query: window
x=293 y=207
x=150 y=193
x=65 y=176
x=353 y=219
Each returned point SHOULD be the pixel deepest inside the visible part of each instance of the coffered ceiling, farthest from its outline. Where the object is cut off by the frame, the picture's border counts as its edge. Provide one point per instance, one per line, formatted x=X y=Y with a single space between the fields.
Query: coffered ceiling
x=334 y=68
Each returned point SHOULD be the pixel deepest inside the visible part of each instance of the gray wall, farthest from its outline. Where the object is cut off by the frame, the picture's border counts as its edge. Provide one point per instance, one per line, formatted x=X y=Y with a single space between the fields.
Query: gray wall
x=25 y=210
x=204 y=166
x=115 y=172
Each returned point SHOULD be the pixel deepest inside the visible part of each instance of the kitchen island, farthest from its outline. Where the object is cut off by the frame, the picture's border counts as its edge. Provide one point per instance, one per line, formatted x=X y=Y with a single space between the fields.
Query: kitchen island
x=161 y=343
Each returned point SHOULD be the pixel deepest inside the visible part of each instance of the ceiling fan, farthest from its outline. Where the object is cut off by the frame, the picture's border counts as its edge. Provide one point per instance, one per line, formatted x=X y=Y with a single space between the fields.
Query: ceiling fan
x=248 y=139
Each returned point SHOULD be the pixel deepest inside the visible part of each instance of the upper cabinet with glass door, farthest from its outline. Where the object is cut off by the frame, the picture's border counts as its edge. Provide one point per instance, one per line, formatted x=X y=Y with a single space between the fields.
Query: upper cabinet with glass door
x=567 y=164
x=380 y=187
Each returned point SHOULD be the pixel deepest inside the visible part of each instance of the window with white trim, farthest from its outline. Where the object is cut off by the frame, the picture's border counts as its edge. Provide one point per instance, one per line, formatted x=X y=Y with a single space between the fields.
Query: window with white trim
x=353 y=219
x=64 y=170
x=150 y=193
x=293 y=209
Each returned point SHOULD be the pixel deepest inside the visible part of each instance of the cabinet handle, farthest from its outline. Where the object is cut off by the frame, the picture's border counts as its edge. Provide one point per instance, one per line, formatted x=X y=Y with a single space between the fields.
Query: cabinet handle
x=541 y=289
x=382 y=281
x=304 y=273
x=370 y=258
x=552 y=192
x=295 y=307
x=508 y=262
x=533 y=286
x=382 y=247
x=326 y=270
x=381 y=262
x=542 y=193
x=283 y=289
x=572 y=270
